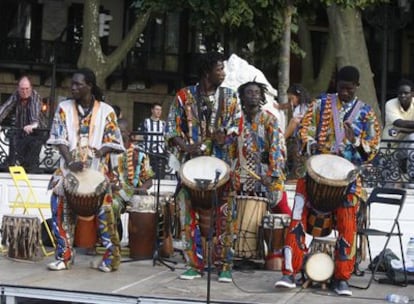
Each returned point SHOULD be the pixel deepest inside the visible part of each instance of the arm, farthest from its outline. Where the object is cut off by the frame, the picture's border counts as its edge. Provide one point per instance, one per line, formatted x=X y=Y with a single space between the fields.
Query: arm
x=6 y=107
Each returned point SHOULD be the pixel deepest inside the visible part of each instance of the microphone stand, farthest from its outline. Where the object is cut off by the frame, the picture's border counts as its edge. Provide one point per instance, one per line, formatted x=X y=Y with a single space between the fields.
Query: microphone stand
x=213 y=215
x=156 y=256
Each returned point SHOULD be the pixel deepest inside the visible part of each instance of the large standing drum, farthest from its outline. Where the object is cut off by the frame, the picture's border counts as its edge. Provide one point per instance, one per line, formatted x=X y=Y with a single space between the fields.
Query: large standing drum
x=327 y=179
x=21 y=234
x=250 y=212
x=141 y=226
x=85 y=191
x=199 y=174
x=273 y=231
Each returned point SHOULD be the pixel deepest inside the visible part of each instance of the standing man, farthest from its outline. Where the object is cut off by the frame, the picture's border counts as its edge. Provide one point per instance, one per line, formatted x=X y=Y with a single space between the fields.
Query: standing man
x=154 y=144
x=342 y=125
x=25 y=145
x=85 y=131
x=261 y=147
x=204 y=120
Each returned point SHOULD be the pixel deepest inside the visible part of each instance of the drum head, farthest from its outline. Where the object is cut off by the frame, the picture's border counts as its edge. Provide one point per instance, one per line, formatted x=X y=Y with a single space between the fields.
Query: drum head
x=84 y=183
x=319 y=267
x=204 y=168
x=330 y=170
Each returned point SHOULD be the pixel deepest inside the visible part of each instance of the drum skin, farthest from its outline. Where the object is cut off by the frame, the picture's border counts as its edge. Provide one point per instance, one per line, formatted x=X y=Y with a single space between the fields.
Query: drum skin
x=204 y=168
x=327 y=180
x=85 y=191
x=319 y=267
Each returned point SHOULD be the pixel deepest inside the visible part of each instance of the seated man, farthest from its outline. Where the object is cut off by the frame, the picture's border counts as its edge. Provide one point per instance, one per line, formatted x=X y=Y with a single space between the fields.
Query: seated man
x=399 y=124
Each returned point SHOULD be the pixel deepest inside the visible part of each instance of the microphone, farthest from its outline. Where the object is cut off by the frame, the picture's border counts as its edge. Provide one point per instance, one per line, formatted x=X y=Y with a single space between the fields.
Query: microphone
x=218 y=173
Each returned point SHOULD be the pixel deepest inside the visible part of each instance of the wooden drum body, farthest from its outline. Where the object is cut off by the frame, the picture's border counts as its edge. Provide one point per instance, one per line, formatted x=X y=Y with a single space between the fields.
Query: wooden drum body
x=199 y=174
x=85 y=191
x=327 y=180
x=22 y=235
x=250 y=212
x=141 y=226
x=273 y=232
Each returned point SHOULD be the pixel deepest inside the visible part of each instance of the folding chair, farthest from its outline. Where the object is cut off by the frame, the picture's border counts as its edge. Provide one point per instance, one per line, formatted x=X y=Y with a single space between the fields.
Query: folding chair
x=27 y=199
x=385 y=197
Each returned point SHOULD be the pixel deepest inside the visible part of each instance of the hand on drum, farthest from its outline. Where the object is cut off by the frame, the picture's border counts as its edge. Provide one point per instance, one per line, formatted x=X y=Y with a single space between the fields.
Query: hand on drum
x=349 y=132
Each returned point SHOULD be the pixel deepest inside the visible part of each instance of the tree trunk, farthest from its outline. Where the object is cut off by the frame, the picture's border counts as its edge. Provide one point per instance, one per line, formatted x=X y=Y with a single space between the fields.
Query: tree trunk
x=91 y=53
x=351 y=49
x=284 y=55
x=319 y=84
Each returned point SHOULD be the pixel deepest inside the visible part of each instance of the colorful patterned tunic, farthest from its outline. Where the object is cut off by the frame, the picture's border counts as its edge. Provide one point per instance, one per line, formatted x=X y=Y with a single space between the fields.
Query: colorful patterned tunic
x=195 y=118
x=82 y=132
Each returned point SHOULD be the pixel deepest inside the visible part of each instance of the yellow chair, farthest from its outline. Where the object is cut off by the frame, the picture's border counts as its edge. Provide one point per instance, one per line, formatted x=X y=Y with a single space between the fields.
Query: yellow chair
x=27 y=199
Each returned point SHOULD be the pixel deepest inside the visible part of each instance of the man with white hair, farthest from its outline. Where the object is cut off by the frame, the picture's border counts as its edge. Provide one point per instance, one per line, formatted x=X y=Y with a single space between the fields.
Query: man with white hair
x=25 y=144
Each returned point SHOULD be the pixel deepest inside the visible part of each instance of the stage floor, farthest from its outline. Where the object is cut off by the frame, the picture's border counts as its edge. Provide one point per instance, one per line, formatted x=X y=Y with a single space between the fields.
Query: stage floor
x=143 y=282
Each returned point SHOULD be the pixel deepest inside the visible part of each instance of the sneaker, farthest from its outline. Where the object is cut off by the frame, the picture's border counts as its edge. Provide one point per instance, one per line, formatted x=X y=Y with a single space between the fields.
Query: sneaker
x=190 y=274
x=58 y=265
x=342 y=288
x=225 y=277
x=287 y=281
x=104 y=268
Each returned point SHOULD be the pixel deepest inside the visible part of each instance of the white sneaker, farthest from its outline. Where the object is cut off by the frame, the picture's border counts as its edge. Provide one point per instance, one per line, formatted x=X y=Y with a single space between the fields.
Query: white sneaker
x=57 y=265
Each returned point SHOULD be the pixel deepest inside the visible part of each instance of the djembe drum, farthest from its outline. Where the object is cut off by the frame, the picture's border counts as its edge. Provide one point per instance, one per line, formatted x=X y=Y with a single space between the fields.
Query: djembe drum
x=327 y=180
x=85 y=191
x=203 y=175
x=141 y=226
x=21 y=234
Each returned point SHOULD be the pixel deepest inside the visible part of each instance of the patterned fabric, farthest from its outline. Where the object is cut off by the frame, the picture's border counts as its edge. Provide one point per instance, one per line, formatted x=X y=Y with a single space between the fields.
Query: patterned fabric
x=131 y=171
x=262 y=146
x=318 y=126
x=154 y=143
x=97 y=128
x=25 y=114
x=195 y=118
x=295 y=245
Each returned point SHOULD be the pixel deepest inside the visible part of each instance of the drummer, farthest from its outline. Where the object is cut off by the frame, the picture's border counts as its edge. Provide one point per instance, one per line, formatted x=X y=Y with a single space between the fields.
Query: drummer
x=132 y=172
x=262 y=150
x=204 y=120
x=342 y=125
x=85 y=131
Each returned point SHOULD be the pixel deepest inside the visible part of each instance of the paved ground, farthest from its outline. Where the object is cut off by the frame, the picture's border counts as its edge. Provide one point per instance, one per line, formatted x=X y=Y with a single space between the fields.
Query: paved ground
x=144 y=282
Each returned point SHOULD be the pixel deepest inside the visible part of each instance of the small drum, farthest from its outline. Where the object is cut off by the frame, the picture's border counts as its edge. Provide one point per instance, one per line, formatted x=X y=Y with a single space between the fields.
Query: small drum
x=141 y=226
x=320 y=265
x=199 y=175
x=250 y=212
x=22 y=235
x=273 y=231
x=84 y=191
x=327 y=179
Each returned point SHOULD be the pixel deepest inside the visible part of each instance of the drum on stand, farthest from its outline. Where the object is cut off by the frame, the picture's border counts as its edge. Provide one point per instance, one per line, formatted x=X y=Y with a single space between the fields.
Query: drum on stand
x=21 y=234
x=141 y=226
x=273 y=230
x=199 y=175
x=250 y=212
x=327 y=180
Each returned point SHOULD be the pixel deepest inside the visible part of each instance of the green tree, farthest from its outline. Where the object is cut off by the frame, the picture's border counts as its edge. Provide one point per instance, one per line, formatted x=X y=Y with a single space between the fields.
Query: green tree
x=91 y=53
